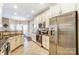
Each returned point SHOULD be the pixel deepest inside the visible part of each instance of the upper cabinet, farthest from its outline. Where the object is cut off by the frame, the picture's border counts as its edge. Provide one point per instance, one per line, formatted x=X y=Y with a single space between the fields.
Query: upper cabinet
x=67 y=7
x=36 y=23
x=47 y=16
x=77 y=6
x=31 y=27
x=55 y=10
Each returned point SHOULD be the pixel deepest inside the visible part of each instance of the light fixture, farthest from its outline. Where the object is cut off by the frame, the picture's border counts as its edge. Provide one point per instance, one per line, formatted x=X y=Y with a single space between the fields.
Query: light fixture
x=32 y=11
x=15 y=6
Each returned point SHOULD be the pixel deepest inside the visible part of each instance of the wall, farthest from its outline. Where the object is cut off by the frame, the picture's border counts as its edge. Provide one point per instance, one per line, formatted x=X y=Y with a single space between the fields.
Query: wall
x=19 y=25
x=0 y=12
x=5 y=21
x=0 y=15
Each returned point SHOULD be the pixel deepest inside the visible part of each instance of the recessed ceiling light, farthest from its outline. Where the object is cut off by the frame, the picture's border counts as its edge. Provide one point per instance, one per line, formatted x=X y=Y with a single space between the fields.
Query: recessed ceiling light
x=15 y=6
x=32 y=11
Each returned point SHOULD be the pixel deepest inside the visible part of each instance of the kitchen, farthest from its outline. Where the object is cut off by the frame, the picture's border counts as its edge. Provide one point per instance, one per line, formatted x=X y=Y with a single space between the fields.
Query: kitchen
x=51 y=30
x=50 y=18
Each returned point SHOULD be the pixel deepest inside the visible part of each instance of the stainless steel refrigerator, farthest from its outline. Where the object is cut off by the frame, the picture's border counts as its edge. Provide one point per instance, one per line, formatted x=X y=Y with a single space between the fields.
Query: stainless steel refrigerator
x=63 y=32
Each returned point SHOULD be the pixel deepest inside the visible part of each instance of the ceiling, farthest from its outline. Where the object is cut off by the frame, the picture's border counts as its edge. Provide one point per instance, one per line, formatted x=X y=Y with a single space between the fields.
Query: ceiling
x=23 y=11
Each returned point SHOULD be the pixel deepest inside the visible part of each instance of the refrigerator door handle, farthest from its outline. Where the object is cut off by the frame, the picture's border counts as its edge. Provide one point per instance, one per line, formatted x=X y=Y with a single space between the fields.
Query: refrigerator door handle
x=57 y=35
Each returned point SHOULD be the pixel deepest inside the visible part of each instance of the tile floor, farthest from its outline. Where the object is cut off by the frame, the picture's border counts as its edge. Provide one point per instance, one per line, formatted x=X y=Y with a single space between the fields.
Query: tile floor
x=31 y=48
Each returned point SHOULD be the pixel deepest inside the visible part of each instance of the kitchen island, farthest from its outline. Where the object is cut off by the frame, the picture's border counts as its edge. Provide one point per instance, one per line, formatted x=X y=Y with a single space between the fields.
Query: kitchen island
x=15 y=40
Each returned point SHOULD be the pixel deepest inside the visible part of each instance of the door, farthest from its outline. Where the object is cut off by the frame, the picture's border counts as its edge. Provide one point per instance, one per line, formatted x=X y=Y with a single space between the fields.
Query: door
x=66 y=34
x=53 y=36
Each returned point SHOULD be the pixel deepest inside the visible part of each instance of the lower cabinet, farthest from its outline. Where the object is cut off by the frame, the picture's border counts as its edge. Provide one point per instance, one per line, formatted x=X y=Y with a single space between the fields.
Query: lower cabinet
x=45 y=41
x=33 y=37
x=18 y=40
x=16 y=45
x=12 y=43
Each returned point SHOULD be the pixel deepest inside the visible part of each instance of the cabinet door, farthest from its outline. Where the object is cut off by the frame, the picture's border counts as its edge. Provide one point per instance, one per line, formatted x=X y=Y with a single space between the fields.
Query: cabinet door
x=47 y=18
x=22 y=39
x=67 y=7
x=47 y=42
x=54 y=10
x=12 y=43
x=34 y=37
x=18 y=40
x=77 y=5
x=44 y=41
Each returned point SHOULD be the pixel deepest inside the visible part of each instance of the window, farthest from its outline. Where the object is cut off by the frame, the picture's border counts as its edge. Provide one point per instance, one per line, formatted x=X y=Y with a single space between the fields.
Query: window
x=12 y=27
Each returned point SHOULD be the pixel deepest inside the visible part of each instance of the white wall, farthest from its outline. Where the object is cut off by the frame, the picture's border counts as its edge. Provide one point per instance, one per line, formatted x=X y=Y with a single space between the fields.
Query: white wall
x=12 y=27
x=25 y=28
x=31 y=27
x=55 y=10
x=0 y=15
x=67 y=7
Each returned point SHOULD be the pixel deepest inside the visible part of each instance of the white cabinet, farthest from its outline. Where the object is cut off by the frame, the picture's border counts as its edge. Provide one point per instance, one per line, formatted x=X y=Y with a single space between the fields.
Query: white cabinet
x=67 y=7
x=47 y=17
x=55 y=10
x=15 y=41
x=33 y=37
x=19 y=40
x=77 y=5
x=61 y=8
x=31 y=27
x=45 y=42
x=36 y=24
x=43 y=17
x=12 y=43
